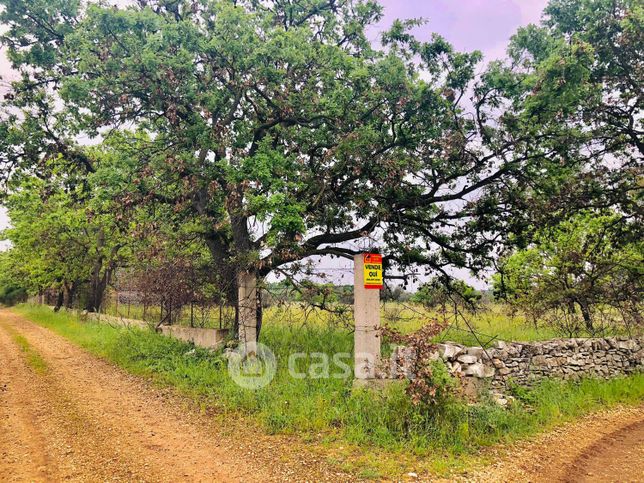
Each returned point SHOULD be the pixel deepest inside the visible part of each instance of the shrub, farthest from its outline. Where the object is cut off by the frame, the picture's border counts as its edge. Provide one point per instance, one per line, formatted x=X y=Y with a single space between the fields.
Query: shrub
x=12 y=294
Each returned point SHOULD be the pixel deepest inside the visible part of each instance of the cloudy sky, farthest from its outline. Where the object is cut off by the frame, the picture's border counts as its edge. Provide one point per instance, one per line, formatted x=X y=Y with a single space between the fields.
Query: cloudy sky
x=484 y=25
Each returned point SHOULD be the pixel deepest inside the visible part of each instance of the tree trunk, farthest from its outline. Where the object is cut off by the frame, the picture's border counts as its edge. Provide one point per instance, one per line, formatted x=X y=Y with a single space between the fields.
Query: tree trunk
x=59 y=300
x=69 y=291
x=585 y=313
x=98 y=285
x=98 y=282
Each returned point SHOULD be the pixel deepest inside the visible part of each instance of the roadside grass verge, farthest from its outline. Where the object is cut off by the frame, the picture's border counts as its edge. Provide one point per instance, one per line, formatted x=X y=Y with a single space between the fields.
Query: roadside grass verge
x=375 y=434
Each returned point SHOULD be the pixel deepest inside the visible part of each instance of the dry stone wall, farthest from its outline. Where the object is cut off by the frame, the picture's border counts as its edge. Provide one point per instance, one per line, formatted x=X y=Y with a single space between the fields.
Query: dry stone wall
x=524 y=363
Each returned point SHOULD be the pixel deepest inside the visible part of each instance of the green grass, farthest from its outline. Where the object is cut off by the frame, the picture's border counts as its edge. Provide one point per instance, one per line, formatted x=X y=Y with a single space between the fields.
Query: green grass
x=491 y=323
x=327 y=412
x=35 y=361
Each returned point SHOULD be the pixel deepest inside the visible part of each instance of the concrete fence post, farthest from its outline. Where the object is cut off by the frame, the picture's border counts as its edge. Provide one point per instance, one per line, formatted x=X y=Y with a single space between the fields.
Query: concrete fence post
x=248 y=311
x=367 y=323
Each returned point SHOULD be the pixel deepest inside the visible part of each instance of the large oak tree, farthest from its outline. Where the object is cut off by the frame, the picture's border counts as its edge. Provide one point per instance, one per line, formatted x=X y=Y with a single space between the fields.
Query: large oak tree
x=279 y=132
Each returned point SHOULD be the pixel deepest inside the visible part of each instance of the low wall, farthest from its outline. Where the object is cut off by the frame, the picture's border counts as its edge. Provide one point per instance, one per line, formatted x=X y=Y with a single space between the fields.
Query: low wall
x=208 y=338
x=525 y=363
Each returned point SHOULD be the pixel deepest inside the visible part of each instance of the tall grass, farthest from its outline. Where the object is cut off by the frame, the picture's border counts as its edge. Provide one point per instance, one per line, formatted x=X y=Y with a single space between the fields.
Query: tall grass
x=490 y=323
x=327 y=409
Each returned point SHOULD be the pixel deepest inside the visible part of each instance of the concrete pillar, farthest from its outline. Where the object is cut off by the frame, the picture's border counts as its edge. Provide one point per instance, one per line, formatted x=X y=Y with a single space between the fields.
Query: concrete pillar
x=367 y=322
x=248 y=311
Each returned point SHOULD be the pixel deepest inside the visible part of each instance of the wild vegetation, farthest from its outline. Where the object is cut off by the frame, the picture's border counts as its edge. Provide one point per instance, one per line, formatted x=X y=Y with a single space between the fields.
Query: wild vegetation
x=392 y=431
x=247 y=138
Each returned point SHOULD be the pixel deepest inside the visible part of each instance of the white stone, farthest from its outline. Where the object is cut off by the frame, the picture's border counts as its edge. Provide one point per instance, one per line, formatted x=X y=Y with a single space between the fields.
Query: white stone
x=477 y=352
x=627 y=345
x=467 y=359
x=479 y=370
x=449 y=351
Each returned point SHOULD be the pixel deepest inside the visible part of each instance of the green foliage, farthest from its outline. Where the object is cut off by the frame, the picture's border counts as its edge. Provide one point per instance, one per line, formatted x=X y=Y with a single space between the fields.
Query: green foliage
x=11 y=290
x=65 y=232
x=276 y=134
x=573 y=271
x=439 y=293
x=12 y=294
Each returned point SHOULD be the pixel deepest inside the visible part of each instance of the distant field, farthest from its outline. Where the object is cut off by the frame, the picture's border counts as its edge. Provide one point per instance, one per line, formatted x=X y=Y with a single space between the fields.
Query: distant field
x=480 y=328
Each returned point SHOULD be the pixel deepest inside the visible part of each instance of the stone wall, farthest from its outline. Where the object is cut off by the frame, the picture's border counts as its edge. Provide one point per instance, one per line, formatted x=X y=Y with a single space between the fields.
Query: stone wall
x=525 y=363
x=206 y=338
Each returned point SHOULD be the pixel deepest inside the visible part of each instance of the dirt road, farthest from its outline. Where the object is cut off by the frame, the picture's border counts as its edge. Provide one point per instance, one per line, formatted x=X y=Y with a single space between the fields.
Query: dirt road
x=71 y=416
x=602 y=447
x=67 y=415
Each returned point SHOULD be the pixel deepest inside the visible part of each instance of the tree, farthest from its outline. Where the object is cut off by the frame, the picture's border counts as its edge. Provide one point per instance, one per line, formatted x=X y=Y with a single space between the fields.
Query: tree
x=585 y=272
x=574 y=83
x=277 y=132
x=65 y=232
x=443 y=293
x=11 y=290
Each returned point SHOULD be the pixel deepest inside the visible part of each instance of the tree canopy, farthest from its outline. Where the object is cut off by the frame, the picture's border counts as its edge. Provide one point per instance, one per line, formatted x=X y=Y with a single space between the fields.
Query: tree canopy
x=276 y=131
x=582 y=275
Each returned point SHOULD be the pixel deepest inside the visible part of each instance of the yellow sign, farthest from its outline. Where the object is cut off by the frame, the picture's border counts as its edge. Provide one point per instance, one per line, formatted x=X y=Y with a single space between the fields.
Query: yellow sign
x=372 y=270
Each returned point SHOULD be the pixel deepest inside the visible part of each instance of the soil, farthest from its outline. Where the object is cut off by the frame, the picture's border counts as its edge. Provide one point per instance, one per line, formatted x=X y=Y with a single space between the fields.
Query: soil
x=602 y=447
x=83 y=419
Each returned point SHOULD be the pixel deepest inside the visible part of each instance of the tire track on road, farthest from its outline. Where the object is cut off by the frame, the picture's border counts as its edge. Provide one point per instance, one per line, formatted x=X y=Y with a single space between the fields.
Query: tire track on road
x=115 y=426
x=95 y=422
x=23 y=454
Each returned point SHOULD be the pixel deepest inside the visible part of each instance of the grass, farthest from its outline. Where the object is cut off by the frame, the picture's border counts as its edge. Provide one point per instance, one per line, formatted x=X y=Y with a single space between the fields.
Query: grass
x=492 y=323
x=393 y=434
x=35 y=361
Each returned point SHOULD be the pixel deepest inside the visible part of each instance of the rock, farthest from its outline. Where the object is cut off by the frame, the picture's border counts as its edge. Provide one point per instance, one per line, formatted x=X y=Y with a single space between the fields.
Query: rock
x=411 y=474
x=477 y=352
x=467 y=359
x=499 y=344
x=449 y=351
x=479 y=370
x=540 y=360
x=628 y=344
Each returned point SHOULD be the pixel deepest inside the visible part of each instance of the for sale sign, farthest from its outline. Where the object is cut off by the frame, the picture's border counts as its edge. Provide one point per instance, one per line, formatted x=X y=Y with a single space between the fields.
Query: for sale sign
x=372 y=270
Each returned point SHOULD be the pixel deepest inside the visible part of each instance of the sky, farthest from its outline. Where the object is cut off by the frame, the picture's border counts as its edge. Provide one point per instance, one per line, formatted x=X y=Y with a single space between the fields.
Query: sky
x=484 y=25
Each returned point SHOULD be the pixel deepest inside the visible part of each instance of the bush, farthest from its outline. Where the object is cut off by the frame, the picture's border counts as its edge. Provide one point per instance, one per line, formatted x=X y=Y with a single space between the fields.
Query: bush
x=12 y=295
